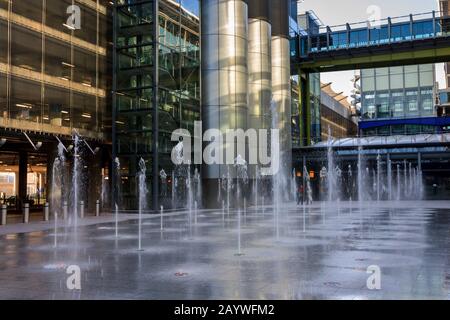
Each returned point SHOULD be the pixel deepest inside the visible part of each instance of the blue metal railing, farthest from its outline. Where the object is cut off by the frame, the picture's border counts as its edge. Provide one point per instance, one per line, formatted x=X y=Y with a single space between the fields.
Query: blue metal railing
x=364 y=34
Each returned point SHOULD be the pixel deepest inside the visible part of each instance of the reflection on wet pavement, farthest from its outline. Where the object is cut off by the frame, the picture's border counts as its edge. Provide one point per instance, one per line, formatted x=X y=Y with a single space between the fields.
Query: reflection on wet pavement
x=410 y=243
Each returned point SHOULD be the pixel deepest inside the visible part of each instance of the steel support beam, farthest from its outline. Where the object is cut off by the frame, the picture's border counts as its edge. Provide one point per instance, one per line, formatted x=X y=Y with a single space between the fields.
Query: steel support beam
x=374 y=60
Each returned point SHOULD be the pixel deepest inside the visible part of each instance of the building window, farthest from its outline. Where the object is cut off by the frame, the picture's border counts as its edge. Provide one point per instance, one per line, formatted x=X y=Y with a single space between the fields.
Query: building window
x=412 y=103
x=397 y=104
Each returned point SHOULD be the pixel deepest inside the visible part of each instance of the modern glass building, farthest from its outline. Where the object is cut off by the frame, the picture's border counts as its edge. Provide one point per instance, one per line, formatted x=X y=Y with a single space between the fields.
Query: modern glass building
x=306 y=125
x=124 y=74
x=335 y=115
x=157 y=86
x=239 y=49
x=398 y=100
x=54 y=81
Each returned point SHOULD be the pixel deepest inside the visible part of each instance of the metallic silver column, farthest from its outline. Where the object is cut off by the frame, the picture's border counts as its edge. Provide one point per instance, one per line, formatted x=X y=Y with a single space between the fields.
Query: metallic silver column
x=281 y=77
x=224 y=69
x=259 y=64
x=259 y=70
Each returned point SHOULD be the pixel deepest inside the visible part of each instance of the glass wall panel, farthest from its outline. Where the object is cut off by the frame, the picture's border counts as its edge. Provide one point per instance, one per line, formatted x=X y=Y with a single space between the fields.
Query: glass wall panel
x=25 y=100
x=411 y=77
x=426 y=102
x=397 y=102
x=135 y=99
x=383 y=110
x=58 y=58
x=382 y=82
x=3 y=97
x=412 y=104
x=84 y=111
x=368 y=105
x=26 y=45
x=88 y=30
x=396 y=78
x=31 y=9
x=426 y=78
x=3 y=41
x=56 y=15
x=57 y=106
x=85 y=68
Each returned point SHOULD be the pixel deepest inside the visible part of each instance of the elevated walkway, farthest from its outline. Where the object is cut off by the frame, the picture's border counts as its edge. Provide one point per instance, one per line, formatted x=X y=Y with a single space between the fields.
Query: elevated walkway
x=411 y=39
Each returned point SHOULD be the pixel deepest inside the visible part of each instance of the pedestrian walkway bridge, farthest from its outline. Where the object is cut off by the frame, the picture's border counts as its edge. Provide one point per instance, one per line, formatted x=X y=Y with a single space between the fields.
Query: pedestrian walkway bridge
x=410 y=39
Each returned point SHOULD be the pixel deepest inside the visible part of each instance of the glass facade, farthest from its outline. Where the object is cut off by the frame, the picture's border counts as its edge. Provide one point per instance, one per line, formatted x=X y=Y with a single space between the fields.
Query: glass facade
x=53 y=77
x=295 y=113
x=315 y=94
x=157 y=82
x=306 y=121
x=397 y=93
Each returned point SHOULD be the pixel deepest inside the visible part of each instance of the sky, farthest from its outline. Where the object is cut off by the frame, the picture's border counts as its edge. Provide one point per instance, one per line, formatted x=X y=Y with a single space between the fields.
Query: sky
x=338 y=12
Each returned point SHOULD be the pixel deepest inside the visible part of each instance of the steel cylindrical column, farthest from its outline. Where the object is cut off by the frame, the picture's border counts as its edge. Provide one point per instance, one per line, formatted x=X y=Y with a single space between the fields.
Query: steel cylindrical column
x=224 y=69
x=259 y=68
x=224 y=42
x=281 y=77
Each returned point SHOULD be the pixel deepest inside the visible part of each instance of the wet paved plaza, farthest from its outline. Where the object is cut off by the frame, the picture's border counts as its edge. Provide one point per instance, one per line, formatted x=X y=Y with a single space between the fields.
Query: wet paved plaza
x=321 y=252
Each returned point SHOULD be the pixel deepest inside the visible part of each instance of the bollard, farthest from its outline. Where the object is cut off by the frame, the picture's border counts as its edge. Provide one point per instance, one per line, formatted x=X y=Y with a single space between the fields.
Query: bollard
x=162 y=223
x=26 y=213
x=4 y=213
x=46 y=211
x=97 y=208
x=81 y=209
x=65 y=210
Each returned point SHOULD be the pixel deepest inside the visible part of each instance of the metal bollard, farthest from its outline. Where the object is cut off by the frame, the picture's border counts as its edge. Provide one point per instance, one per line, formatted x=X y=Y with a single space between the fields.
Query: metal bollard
x=65 y=210
x=97 y=208
x=4 y=213
x=26 y=213
x=46 y=212
x=81 y=209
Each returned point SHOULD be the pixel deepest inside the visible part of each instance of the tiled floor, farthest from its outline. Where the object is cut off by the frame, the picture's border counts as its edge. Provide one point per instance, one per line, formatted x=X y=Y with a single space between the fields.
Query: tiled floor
x=409 y=241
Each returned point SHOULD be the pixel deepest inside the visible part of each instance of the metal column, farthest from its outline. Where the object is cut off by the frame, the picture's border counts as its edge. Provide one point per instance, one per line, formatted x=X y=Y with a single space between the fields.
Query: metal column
x=224 y=42
x=259 y=64
x=259 y=69
x=281 y=76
